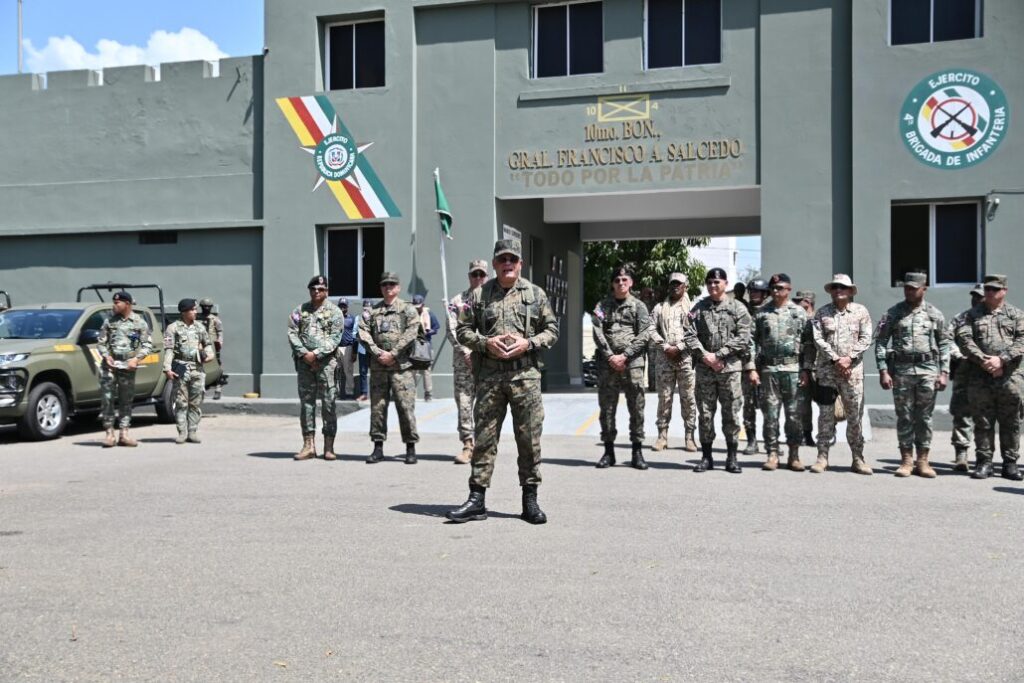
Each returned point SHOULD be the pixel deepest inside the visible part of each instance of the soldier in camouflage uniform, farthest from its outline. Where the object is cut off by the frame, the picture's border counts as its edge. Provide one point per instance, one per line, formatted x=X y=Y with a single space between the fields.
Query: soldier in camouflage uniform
x=187 y=345
x=959 y=406
x=718 y=338
x=673 y=362
x=757 y=290
x=912 y=352
x=842 y=333
x=389 y=332
x=463 y=382
x=124 y=340
x=507 y=324
x=215 y=328
x=780 y=328
x=805 y=299
x=992 y=341
x=314 y=332
x=621 y=327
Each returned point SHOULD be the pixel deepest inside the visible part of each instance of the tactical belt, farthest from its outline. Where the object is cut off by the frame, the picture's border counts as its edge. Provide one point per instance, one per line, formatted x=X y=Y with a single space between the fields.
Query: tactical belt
x=514 y=364
x=913 y=357
x=122 y=355
x=779 y=360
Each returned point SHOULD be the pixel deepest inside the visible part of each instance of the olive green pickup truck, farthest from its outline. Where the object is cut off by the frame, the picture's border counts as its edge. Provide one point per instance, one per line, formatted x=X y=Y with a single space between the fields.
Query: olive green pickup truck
x=49 y=365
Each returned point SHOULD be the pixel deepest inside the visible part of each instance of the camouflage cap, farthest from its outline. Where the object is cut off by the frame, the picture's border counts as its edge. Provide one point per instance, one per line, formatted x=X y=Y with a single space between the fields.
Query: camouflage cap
x=803 y=295
x=508 y=246
x=979 y=290
x=417 y=300
x=343 y=302
x=478 y=264
x=994 y=280
x=917 y=280
x=678 y=277
x=387 y=277
x=206 y=301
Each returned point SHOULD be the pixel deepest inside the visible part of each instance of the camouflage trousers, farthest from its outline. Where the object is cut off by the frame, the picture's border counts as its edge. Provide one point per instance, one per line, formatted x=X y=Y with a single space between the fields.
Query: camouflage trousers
x=913 y=397
x=750 y=393
x=676 y=378
x=609 y=385
x=428 y=380
x=803 y=407
x=780 y=389
x=497 y=394
x=851 y=393
x=188 y=400
x=995 y=401
x=714 y=388
x=464 y=385
x=314 y=384
x=117 y=391
x=387 y=386
x=960 y=411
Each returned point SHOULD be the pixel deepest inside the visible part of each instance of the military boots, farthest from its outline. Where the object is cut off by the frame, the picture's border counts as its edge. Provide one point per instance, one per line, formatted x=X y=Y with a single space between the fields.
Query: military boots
x=1011 y=471
x=960 y=464
x=921 y=467
x=110 y=440
x=181 y=438
x=691 y=445
x=859 y=466
x=329 y=448
x=378 y=453
x=662 y=442
x=125 y=439
x=531 y=510
x=732 y=464
x=467 y=453
x=638 y=457
x=608 y=458
x=706 y=461
x=410 y=454
x=906 y=462
x=308 y=448
x=751 y=448
x=772 y=463
x=794 y=459
x=982 y=468
x=821 y=464
x=193 y=437
x=474 y=508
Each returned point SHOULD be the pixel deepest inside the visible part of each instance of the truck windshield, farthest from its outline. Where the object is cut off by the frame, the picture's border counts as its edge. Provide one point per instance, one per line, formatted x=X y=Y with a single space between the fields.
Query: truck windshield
x=39 y=324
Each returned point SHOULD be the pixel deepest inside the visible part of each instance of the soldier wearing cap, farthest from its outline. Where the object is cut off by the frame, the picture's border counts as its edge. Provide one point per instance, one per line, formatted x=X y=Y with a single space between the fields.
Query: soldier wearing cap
x=507 y=323
x=991 y=339
x=429 y=325
x=673 y=363
x=187 y=345
x=842 y=333
x=622 y=331
x=780 y=329
x=959 y=373
x=462 y=360
x=805 y=299
x=912 y=352
x=215 y=328
x=314 y=332
x=718 y=338
x=757 y=290
x=124 y=340
x=389 y=332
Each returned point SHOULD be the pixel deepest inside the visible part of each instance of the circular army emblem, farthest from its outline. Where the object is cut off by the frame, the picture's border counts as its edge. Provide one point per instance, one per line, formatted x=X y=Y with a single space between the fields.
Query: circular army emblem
x=335 y=156
x=954 y=119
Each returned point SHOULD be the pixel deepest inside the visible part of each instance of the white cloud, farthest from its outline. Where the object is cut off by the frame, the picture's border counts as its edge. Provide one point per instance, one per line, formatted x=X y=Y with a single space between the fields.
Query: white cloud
x=65 y=53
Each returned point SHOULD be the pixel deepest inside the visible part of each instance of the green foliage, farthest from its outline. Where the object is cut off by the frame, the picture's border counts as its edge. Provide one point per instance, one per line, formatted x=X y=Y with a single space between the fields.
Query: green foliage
x=653 y=261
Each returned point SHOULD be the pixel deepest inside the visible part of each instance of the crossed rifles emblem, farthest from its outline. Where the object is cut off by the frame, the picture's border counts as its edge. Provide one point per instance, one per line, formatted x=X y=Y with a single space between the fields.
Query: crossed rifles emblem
x=968 y=128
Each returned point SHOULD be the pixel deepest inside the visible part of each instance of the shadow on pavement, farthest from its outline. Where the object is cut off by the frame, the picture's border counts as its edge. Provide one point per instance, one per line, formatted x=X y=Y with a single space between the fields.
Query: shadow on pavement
x=440 y=510
x=271 y=454
x=1008 y=489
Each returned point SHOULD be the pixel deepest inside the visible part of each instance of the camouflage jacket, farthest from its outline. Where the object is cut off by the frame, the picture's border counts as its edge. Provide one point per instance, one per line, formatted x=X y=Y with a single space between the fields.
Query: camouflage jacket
x=124 y=338
x=622 y=327
x=186 y=344
x=993 y=333
x=392 y=328
x=492 y=311
x=781 y=336
x=668 y=325
x=214 y=327
x=722 y=328
x=912 y=341
x=315 y=329
x=840 y=333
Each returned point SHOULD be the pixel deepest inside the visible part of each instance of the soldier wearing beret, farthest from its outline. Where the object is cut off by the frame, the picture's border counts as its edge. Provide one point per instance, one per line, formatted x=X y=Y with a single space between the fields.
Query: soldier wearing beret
x=959 y=374
x=388 y=332
x=124 y=340
x=314 y=332
x=187 y=345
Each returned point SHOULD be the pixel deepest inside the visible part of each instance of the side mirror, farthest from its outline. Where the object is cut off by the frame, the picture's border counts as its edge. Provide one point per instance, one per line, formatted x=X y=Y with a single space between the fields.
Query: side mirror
x=88 y=337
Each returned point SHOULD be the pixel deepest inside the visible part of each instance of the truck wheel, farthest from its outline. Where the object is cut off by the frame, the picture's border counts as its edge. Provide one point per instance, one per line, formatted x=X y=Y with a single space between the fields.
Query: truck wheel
x=165 y=404
x=46 y=414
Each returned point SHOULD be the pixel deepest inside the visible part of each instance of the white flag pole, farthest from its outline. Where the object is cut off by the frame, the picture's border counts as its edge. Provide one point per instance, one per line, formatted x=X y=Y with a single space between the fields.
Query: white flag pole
x=444 y=268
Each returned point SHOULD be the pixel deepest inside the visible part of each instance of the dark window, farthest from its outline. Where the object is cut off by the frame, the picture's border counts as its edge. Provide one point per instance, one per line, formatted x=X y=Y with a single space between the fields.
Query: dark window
x=354 y=260
x=703 y=21
x=568 y=39
x=909 y=228
x=925 y=21
x=683 y=32
x=664 y=33
x=939 y=239
x=158 y=237
x=956 y=243
x=355 y=55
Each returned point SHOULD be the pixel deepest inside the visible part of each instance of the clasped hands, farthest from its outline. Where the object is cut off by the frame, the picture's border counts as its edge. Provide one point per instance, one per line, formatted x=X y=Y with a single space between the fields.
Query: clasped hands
x=993 y=365
x=507 y=346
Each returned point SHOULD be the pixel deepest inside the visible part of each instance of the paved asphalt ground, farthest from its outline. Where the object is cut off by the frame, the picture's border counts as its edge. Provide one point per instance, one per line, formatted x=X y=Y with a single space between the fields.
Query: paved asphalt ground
x=228 y=561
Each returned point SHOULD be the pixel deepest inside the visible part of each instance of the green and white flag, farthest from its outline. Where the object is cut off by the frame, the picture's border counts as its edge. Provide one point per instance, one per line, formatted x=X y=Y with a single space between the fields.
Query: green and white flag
x=443 y=213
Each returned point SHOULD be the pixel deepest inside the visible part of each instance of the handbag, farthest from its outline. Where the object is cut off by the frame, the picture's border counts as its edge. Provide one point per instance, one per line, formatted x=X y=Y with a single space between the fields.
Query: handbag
x=422 y=356
x=840 y=409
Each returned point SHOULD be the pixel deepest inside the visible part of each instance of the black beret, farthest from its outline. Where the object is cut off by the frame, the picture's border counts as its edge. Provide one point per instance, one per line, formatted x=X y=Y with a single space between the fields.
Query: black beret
x=780 y=277
x=716 y=274
x=123 y=296
x=317 y=281
x=186 y=305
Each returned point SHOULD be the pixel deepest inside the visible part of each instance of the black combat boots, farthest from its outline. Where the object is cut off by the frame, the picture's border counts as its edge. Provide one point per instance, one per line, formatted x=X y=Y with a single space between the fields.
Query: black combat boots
x=410 y=454
x=1011 y=471
x=378 y=453
x=473 y=509
x=638 y=457
x=982 y=468
x=731 y=464
x=706 y=461
x=608 y=459
x=531 y=511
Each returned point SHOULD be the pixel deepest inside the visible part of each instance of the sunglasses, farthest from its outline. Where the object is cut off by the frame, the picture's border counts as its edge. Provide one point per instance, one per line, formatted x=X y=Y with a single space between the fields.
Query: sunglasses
x=621 y=279
x=989 y=288
x=507 y=258
x=780 y=287
x=318 y=289
x=714 y=282
x=388 y=285
x=840 y=287
x=478 y=273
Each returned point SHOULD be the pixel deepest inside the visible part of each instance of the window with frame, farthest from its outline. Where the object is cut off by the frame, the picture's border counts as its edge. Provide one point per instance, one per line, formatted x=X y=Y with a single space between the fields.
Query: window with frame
x=933 y=21
x=943 y=239
x=682 y=33
x=353 y=261
x=354 y=55
x=568 y=39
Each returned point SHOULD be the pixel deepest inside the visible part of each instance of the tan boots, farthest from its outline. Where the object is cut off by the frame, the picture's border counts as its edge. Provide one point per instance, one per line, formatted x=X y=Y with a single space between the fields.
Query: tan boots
x=662 y=442
x=125 y=439
x=859 y=466
x=110 y=440
x=772 y=463
x=691 y=445
x=118 y=438
x=308 y=449
x=821 y=464
x=906 y=462
x=921 y=467
x=466 y=455
x=794 y=459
